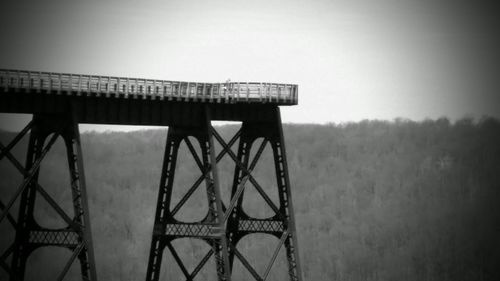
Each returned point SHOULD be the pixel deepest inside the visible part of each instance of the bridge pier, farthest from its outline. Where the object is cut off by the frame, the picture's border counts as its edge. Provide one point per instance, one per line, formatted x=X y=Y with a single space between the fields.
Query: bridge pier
x=76 y=236
x=211 y=228
x=224 y=226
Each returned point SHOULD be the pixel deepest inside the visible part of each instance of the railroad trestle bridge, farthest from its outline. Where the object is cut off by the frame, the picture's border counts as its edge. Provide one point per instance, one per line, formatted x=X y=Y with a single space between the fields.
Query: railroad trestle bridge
x=60 y=101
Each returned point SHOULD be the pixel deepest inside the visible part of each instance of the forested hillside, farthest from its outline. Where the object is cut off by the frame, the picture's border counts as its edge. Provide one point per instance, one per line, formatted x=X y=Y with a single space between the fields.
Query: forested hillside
x=373 y=200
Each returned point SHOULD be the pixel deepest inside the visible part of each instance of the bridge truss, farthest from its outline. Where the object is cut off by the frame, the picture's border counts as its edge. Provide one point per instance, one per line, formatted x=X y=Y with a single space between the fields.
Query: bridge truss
x=59 y=105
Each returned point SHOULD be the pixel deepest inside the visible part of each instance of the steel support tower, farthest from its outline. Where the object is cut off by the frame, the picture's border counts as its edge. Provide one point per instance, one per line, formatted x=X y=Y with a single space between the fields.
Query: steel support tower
x=30 y=235
x=59 y=102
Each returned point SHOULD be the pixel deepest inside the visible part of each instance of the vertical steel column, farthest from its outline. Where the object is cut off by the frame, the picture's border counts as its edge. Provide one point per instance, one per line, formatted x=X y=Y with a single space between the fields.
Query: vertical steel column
x=80 y=202
x=162 y=215
x=285 y=196
x=76 y=236
x=25 y=219
x=219 y=246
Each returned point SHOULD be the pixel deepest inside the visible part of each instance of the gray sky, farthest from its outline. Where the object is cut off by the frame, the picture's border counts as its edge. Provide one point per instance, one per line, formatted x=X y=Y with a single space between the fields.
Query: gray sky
x=352 y=59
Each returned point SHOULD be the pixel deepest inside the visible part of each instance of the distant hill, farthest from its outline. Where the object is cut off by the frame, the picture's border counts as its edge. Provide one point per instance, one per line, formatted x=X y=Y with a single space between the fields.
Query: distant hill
x=373 y=200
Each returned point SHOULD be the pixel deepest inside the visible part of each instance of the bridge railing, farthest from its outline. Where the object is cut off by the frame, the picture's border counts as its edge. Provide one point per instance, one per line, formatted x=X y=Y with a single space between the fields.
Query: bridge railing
x=87 y=85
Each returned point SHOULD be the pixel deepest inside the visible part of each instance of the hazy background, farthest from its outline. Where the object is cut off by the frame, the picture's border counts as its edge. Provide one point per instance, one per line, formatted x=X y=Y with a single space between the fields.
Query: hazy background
x=373 y=201
x=353 y=59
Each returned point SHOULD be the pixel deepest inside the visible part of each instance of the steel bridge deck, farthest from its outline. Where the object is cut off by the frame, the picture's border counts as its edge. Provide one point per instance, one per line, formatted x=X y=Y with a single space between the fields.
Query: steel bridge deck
x=134 y=101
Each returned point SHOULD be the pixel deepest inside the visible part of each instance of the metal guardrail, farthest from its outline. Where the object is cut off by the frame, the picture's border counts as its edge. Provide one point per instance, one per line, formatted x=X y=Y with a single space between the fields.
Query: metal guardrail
x=126 y=87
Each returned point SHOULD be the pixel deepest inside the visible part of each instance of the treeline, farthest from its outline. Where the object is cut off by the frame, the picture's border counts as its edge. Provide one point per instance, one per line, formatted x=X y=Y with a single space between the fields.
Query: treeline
x=374 y=200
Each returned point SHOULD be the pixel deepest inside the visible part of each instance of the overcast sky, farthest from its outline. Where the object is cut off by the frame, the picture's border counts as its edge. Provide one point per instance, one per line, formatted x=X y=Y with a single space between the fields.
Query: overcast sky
x=352 y=59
